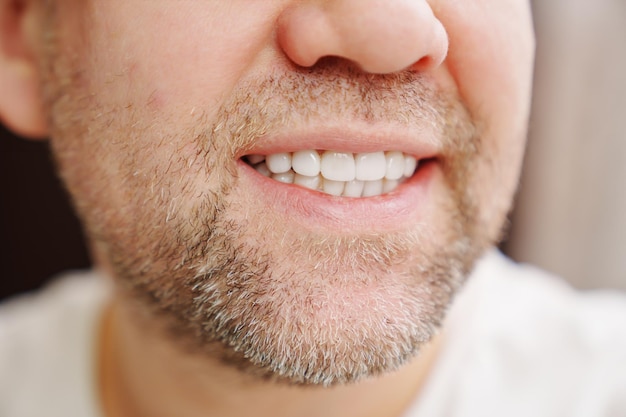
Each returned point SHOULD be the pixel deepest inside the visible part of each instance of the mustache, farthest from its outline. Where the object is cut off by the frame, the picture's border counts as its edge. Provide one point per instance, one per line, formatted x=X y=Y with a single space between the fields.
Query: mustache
x=334 y=92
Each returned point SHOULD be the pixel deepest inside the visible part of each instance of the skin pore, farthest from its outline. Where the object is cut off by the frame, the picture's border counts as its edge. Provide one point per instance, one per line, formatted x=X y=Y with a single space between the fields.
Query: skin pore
x=228 y=303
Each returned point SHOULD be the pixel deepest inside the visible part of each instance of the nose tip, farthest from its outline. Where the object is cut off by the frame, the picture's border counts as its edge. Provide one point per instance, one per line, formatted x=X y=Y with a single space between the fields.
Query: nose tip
x=381 y=36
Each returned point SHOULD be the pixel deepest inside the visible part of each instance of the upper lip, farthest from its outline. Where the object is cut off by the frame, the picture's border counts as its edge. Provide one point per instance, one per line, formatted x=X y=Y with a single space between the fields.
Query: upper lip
x=421 y=144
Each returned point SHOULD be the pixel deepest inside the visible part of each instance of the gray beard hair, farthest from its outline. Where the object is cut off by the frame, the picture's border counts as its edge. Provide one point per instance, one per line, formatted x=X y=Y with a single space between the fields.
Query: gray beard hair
x=230 y=303
x=222 y=293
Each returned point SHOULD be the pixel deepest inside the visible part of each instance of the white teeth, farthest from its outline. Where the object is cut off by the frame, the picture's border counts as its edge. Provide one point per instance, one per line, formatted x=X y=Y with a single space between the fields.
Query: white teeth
x=279 y=162
x=286 y=177
x=338 y=166
x=306 y=162
x=373 y=188
x=395 y=165
x=311 y=183
x=390 y=185
x=370 y=166
x=353 y=188
x=410 y=164
x=338 y=173
x=333 y=187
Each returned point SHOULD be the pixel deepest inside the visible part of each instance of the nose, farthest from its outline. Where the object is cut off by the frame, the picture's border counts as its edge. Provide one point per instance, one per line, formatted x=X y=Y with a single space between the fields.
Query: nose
x=381 y=36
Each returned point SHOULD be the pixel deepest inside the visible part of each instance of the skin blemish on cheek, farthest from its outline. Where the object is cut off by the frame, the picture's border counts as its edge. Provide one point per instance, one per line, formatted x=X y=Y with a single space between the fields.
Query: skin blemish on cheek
x=156 y=100
x=135 y=75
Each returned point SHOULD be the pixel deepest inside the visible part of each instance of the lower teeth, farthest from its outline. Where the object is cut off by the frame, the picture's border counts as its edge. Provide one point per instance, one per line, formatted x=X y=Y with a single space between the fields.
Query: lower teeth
x=353 y=189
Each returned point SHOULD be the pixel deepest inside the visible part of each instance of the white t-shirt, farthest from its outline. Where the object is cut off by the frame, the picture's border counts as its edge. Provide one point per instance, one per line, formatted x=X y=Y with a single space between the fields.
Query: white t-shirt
x=517 y=343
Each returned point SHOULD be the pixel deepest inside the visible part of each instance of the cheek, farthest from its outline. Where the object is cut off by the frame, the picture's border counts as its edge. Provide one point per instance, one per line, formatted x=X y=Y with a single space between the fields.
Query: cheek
x=154 y=72
x=491 y=60
x=175 y=58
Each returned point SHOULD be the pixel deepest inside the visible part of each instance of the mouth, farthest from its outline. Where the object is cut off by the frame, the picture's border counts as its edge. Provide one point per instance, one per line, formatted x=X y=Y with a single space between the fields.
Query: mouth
x=346 y=180
x=341 y=174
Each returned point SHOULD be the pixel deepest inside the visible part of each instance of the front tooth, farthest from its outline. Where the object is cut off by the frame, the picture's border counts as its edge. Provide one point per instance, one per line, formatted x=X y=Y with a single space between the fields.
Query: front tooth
x=410 y=164
x=286 y=177
x=333 y=187
x=353 y=188
x=373 y=188
x=338 y=166
x=370 y=166
x=311 y=182
x=279 y=163
x=306 y=162
x=395 y=165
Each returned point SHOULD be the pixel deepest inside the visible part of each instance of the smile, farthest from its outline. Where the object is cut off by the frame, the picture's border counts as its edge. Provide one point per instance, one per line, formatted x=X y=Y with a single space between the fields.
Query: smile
x=357 y=179
x=338 y=173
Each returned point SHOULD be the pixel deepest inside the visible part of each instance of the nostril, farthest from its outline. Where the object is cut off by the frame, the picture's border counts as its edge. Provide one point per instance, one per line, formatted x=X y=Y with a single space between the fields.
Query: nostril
x=424 y=63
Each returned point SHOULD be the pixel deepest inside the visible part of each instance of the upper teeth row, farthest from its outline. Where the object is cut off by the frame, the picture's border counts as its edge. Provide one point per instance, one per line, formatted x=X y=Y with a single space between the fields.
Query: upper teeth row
x=340 y=166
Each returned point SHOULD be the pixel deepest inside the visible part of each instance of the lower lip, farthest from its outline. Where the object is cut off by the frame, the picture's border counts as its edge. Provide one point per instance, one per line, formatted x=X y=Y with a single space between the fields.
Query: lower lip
x=407 y=204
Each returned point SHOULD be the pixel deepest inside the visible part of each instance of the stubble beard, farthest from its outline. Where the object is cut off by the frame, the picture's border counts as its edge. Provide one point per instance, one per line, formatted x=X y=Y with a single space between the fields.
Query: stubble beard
x=288 y=304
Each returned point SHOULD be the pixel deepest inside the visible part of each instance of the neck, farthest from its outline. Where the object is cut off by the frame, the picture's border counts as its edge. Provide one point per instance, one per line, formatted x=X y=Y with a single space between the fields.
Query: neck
x=144 y=374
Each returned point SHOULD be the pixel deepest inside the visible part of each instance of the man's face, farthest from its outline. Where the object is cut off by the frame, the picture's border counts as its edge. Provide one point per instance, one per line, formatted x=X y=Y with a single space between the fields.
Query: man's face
x=158 y=106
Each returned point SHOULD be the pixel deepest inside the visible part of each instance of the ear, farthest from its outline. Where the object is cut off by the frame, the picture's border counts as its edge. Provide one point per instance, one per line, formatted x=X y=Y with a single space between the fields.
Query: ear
x=21 y=105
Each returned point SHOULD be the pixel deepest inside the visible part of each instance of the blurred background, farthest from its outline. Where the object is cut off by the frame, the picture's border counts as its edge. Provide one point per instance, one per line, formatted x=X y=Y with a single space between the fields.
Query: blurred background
x=571 y=211
x=570 y=216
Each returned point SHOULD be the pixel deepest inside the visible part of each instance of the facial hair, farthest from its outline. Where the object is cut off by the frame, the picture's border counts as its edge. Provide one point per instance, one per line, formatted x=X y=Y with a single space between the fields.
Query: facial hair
x=295 y=305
